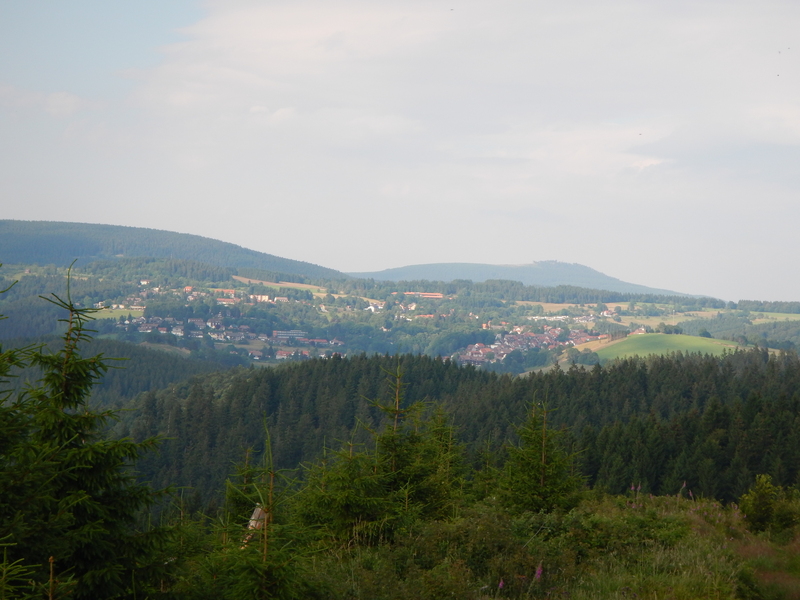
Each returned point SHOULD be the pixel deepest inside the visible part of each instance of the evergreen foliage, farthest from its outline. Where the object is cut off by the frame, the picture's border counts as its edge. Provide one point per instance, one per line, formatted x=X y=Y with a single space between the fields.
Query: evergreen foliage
x=68 y=500
x=133 y=371
x=410 y=471
x=539 y=473
x=403 y=510
x=713 y=422
x=50 y=242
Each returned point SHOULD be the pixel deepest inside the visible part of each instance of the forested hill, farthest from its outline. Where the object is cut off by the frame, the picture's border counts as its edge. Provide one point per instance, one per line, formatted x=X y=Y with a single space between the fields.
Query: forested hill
x=133 y=369
x=546 y=273
x=58 y=243
x=712 y=422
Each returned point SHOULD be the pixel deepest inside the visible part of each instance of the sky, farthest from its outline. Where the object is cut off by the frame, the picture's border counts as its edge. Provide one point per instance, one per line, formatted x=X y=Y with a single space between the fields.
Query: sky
x=657 y=142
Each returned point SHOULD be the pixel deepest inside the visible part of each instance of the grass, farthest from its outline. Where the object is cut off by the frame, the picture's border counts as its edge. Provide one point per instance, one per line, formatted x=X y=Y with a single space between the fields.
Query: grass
x=678 y=549
x=116 y=313
x=775 y=567
x=166 y=348
x=315 y=289
x=659 y=343
x=550 y=307
x=759 y=317
x=637 y=546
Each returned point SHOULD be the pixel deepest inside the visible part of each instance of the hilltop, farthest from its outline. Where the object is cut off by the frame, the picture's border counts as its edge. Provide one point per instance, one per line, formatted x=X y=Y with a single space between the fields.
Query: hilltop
x=542 y=273
x=59 y=243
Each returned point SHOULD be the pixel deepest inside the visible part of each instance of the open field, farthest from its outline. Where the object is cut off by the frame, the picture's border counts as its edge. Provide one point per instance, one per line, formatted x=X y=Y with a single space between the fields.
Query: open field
x=166 y=348
x=314 y=289
x=548 y=307
x=759 y=317
x=116 y=313
x=669 y=319
x=659 y=343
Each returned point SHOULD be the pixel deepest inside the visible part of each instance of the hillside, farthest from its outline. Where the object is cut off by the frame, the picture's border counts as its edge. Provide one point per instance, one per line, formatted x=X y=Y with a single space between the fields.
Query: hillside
x=543 y=273
x=659 y=343
x=208 y=424
x=59 y=243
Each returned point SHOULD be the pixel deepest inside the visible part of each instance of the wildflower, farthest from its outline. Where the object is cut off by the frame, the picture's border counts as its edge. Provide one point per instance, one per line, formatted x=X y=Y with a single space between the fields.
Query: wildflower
x=538 y=575
x=501 y=585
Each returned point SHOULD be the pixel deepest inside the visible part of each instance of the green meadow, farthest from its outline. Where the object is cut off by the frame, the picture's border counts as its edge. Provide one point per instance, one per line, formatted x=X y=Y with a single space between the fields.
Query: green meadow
x=759 y=317
x=660 y=343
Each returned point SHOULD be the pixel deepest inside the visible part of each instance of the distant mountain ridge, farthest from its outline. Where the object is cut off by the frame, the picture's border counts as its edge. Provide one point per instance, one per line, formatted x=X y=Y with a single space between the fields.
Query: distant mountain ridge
x=546 y=273
x=59 y=243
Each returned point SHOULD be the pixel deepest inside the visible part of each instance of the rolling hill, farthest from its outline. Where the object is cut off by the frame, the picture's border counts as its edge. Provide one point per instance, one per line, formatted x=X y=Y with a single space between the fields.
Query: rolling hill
x=659 y=343
x=543 y=273
x=59 y=243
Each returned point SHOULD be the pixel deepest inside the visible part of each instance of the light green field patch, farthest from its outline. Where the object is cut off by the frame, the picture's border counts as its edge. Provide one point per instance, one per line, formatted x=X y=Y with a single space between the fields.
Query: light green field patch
x=116 y=313
x=759 y=317
x=166 y=348
x=659 y=343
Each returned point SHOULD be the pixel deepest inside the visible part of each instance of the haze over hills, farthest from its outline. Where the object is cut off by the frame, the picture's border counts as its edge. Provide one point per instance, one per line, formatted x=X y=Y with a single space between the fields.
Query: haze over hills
x=59 y=243
x=543 y=273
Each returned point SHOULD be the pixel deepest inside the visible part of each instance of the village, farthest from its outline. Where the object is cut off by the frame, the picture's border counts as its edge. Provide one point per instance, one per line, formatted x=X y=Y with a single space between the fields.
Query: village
x=215 y=328
x=552 y=338
x=553 y=334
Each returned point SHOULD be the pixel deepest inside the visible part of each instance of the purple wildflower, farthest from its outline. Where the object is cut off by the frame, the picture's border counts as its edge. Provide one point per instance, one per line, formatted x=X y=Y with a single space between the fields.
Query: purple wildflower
x=502 y=584
x=538 y=575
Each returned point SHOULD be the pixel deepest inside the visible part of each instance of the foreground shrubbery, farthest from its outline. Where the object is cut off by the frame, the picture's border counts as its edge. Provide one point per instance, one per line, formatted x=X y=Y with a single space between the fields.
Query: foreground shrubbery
x=607 y=547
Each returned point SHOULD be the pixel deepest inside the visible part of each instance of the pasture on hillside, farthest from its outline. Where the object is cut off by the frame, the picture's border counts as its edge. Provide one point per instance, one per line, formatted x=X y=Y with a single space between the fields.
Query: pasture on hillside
x=660 y=343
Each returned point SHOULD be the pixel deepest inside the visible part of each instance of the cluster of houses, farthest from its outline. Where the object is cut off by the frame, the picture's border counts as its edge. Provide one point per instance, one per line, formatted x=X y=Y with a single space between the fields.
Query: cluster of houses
x=224 y=297
x=580 y=319
x=480 y=354
x=216 y=329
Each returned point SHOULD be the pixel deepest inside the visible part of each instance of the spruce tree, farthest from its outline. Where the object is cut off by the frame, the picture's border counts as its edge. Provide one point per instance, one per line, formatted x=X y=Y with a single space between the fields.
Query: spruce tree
x=412 y=472
x=70 y=503
x=540 y=473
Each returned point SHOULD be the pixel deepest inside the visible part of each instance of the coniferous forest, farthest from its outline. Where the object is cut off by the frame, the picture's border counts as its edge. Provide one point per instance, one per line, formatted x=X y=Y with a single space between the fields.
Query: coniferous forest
x=401 y=477
x=712 y=422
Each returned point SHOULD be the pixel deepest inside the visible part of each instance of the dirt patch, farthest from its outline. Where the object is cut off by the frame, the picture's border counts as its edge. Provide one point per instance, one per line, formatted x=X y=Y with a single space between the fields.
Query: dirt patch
x=754 y=549
x=788 y=584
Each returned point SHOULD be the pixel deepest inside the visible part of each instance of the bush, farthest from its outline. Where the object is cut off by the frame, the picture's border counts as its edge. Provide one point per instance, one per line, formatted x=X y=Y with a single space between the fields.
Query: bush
x=768 y=507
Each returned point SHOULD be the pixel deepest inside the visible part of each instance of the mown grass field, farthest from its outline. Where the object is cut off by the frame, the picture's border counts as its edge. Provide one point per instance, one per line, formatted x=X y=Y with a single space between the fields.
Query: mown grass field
x=758 y=317
x=659 y=343
x=166 y=348
x=116 y=313
x=314 y=289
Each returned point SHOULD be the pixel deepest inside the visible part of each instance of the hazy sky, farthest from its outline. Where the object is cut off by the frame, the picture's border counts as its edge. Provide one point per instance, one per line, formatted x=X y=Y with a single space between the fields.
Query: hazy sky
x=658 y=142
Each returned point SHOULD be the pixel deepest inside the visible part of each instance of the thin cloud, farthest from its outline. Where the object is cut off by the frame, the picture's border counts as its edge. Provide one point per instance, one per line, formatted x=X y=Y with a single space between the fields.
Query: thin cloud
x=581 y=130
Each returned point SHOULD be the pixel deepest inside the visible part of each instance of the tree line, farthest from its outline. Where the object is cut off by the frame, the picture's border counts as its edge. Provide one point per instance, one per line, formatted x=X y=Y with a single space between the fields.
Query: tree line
x=714 y=422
